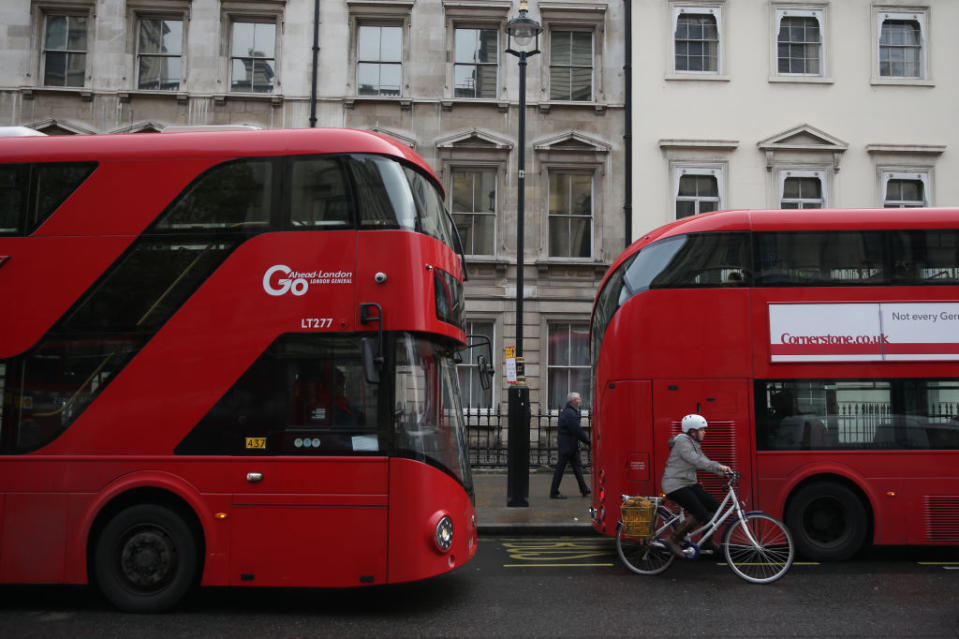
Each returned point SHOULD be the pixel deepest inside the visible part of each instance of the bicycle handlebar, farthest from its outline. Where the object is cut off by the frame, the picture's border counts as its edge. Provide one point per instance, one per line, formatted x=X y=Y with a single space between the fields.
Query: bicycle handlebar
x=732 y=477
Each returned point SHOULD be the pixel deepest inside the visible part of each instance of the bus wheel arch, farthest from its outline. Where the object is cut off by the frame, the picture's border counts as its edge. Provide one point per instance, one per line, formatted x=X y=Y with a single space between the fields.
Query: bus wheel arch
x=145 y=550
x=830 y=518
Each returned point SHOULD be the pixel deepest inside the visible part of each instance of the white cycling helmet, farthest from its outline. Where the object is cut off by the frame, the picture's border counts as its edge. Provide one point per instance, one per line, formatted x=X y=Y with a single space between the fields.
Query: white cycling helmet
x=693 y=422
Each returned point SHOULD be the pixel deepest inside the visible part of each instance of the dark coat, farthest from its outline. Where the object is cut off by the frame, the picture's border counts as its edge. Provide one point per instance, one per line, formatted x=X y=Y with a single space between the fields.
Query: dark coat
x=570 y=432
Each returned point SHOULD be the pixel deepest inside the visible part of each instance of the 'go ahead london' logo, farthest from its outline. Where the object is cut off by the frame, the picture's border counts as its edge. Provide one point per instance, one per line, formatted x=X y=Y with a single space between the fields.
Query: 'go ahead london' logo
x=281 y=279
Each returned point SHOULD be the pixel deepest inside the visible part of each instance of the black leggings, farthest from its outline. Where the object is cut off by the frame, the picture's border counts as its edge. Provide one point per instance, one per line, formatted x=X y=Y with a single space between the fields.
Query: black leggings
x=697 y=502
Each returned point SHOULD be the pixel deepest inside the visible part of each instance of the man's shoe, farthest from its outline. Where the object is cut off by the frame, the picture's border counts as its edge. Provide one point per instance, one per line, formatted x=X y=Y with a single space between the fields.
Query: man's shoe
x=557 y=496
x=586 y=493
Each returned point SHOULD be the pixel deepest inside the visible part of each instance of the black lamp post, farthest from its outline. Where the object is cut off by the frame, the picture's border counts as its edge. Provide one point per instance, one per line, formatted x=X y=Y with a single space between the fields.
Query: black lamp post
x=523 y=32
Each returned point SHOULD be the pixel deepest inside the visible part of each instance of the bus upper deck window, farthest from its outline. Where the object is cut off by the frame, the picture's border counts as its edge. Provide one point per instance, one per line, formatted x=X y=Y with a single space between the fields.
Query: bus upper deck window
x=30 y=193
x=383 y=195
x=318 y=194
x=234 y=196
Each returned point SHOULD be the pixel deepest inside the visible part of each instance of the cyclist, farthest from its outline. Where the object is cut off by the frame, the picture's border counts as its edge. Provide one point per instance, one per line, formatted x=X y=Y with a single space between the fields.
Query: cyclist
x=679 y=481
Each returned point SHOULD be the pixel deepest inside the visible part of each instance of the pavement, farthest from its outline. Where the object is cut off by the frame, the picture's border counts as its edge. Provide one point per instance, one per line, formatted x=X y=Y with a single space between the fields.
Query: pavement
x=543 y=515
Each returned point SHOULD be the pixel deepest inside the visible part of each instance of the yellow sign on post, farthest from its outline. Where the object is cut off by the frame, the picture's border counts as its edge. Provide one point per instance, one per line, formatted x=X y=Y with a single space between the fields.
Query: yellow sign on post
x=510 y=364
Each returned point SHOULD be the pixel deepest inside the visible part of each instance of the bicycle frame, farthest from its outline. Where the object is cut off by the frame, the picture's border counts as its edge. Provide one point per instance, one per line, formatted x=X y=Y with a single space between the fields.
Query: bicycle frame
x=757 y=546
x=724 y=512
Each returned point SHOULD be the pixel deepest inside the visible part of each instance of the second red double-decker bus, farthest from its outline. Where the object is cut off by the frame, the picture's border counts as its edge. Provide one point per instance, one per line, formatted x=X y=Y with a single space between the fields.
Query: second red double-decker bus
x=227 y=359
x=823 y=348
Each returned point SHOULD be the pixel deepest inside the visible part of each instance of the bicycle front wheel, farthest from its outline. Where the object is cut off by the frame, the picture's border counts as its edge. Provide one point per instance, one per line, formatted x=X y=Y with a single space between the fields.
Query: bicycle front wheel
x=649 y=556
x=759 y=548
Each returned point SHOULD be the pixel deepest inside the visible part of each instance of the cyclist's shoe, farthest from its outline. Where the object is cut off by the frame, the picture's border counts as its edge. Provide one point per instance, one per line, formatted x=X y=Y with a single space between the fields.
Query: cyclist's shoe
x=708 y=547
x=675 y=541
x=674 y=547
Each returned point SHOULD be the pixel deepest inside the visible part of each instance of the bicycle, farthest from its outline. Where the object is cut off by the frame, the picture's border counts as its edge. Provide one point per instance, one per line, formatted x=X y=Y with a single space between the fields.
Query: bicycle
x=758 y=547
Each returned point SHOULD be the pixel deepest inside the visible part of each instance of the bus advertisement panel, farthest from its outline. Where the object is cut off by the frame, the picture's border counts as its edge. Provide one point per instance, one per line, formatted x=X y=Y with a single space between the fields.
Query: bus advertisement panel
x=228 y=359
x=821 y=346
x=863 y=332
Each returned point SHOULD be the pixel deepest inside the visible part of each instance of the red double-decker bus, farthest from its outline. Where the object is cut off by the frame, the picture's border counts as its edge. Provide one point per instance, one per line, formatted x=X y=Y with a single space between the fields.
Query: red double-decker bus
x=227 y=359
x=823 y=348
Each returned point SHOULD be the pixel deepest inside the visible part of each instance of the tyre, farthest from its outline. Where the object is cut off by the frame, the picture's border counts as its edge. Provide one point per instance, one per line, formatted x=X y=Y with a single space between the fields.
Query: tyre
x=145 y=559
x=828 y=521
x=761 y=551
x=650 y=556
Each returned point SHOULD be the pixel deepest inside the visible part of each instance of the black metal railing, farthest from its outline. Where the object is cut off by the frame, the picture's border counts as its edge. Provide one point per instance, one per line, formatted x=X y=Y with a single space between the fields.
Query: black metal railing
x=857 y=425
x=488 y=433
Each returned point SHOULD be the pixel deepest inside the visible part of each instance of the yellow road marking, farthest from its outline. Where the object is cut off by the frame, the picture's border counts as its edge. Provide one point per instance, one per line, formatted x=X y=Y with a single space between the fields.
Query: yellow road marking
x=557 y=565
x=795 y=563
x=551 y=550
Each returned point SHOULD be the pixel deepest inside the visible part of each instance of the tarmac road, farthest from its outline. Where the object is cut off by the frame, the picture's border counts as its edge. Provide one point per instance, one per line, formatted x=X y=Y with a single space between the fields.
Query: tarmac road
x=538 y=586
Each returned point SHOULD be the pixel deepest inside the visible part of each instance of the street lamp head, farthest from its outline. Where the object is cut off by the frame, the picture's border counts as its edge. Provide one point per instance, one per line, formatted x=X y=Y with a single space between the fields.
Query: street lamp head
x=523 y=29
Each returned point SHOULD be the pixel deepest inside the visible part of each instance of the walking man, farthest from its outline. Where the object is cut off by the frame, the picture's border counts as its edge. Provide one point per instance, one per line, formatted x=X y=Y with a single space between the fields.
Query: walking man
x=570 y=434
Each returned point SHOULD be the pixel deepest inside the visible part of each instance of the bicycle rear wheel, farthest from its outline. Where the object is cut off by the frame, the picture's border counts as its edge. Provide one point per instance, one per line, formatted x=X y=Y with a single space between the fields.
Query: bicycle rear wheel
x=646 y=556
x=769 y=558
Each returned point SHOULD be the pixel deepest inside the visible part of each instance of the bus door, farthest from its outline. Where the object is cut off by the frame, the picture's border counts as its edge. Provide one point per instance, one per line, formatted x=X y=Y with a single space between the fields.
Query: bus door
x=310 y=480
x=623 y=433
x=725 y=405
x=297 y=522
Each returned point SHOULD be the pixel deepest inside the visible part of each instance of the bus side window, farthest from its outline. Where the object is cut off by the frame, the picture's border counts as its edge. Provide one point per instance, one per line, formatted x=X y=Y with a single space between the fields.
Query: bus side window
x=47 y=388
x=819 y=258
x=13 y=194
x=30 y=193
x=708 y=260
x=375 y=207
x=234 y=196
x=925 y=257
x=305 y=395
x=318 y=194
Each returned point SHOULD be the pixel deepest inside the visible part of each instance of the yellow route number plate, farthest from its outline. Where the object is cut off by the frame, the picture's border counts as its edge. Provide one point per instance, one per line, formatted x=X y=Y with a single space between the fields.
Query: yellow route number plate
x=257 y=443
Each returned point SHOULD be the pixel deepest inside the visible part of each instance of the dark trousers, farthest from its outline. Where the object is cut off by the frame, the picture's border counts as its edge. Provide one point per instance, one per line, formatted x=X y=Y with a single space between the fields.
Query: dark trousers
x=697 y=502
x=571 y=458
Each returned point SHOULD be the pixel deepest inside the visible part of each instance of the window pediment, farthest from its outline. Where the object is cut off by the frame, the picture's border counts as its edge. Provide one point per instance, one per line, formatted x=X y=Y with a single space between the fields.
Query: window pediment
x=571 y=141
x=572 y=12
x=54 y=126
x=380 y=8
x=803 y=137
x=906 y=149
x=405 y=138
x=144 y=126
x=474 y=139
x=802 y=140
x=475 y=10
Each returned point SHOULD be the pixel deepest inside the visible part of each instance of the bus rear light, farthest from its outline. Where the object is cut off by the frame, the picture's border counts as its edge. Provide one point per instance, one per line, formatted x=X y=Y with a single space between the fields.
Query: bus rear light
x=443 y=534
x=602 y=495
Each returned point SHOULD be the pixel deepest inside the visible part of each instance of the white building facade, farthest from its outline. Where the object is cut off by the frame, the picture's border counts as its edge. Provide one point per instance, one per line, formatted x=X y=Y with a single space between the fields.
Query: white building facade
x=775 y=104
x=431 y=73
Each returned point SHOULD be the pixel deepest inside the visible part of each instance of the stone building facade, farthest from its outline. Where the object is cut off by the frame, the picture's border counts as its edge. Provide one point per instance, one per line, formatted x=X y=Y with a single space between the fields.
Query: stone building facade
x=431 y=73
x=792 y=103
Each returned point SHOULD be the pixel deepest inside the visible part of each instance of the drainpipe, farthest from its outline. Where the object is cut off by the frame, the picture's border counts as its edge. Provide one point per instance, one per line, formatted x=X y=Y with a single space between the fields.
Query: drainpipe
x=316 y=55
x=628 y=133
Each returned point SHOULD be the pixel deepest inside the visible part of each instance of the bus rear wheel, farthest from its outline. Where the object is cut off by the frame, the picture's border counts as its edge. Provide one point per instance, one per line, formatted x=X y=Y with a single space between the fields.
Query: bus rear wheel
x=145 y=559
x=827 y=521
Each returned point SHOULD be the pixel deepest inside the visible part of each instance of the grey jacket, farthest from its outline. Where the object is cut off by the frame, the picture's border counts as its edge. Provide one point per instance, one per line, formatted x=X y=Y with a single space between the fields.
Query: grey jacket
x=685 y=457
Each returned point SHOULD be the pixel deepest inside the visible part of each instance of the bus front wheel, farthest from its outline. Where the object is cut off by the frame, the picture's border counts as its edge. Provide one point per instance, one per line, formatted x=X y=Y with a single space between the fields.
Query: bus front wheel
x=827 y=521
x=146 y=559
